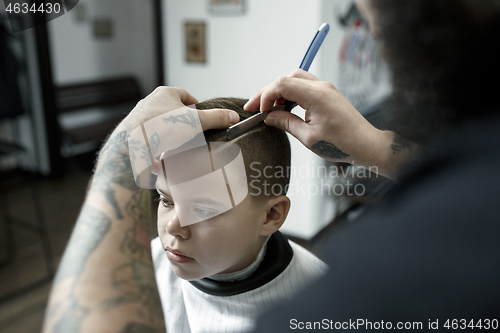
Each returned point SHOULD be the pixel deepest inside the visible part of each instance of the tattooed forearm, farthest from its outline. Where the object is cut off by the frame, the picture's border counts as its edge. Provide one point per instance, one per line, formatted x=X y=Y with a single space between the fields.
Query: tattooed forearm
x=89 y=231
x=136 y=241
x=72 y=318
x=327 y=149
x=117 y=207
x=106 y=281
x=136 y=283
x=116 y=169
x=139 y=328
x=399 y=144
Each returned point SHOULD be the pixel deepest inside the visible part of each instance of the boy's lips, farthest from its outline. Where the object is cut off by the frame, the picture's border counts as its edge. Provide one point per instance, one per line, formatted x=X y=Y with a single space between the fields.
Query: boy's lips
x=177 y=256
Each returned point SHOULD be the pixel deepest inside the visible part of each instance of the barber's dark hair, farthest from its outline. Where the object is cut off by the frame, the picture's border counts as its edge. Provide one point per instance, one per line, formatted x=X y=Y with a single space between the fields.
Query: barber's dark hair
x=262 y=146
x=444 y=59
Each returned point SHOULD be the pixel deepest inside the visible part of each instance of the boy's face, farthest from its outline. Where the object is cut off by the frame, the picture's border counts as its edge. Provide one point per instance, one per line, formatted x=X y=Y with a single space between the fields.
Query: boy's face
x=223 y=243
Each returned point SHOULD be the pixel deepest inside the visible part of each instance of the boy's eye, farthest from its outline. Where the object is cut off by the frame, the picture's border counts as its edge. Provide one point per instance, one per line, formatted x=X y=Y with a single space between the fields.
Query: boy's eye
x=204 y=213
x=166 y=203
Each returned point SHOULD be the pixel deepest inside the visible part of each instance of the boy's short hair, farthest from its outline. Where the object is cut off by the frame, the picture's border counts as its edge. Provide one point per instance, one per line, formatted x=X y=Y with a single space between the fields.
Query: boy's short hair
x=266 y=151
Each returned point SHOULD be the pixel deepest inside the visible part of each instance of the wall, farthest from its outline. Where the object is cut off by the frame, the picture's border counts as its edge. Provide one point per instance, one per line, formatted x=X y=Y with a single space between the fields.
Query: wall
x=79 y=56
x=246 y=52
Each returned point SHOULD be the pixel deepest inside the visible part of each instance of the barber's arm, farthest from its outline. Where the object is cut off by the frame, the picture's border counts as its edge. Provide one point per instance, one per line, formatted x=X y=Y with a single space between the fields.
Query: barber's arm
x=332 y=127
x=105 y=281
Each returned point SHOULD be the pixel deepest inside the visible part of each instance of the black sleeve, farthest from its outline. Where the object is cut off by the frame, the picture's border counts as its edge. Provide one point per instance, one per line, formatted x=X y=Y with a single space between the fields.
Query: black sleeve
x=430 y=251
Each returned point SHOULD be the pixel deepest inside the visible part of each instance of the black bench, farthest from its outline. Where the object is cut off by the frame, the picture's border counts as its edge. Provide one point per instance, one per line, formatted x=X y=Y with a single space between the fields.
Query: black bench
x=89 y=111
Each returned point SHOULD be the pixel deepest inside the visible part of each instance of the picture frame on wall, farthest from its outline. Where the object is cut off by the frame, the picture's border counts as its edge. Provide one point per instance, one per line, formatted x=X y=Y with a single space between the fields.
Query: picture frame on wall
x=227 y=7
x=195 y=34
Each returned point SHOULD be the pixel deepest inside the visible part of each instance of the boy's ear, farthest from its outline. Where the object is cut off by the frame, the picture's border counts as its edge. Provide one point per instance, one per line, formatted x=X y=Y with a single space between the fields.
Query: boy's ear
x=277 y=209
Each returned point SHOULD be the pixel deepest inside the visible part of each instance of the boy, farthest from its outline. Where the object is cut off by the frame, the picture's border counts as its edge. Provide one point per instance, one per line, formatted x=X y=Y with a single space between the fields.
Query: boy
x=217 y=275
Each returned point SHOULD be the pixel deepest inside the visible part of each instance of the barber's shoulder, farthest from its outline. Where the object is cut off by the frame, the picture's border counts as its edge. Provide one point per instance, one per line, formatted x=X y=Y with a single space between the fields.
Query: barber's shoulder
x=304 y=258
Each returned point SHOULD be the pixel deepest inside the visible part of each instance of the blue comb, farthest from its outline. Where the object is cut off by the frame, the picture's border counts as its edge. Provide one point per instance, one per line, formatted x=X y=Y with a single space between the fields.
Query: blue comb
x=249 y=123
x=310 y=54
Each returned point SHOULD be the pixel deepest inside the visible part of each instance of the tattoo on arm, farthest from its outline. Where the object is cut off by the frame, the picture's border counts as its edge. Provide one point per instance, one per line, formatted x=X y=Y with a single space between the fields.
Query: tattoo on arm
x=135 y=244
x=137 y=284
x=116 y=170
x=187 y=118
x=399 y=144
x=138 y=328
x=72 y=318
x=327 y=149
x=89 y=231
x=133 y=280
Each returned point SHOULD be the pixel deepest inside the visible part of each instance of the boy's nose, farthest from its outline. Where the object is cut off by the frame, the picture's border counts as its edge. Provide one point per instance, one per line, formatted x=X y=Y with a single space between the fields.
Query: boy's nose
x=175 y=229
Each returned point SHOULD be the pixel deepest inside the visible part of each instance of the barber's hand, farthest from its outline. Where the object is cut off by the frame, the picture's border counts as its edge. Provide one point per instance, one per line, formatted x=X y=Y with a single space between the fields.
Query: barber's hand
x=332 y=127
x=164 y=99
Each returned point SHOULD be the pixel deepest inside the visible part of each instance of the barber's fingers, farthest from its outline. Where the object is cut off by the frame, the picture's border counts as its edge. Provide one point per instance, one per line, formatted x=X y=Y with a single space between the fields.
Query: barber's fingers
x=302 y=74
x=174 y=97
x=254 y=102
x=290 y=123
x=217 y=118
x=304 y=92
x=186 y=98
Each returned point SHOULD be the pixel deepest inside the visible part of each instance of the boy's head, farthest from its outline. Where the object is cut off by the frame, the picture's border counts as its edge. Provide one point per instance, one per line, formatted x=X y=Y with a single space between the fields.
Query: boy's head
x=266 y=151
x=228 y=242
